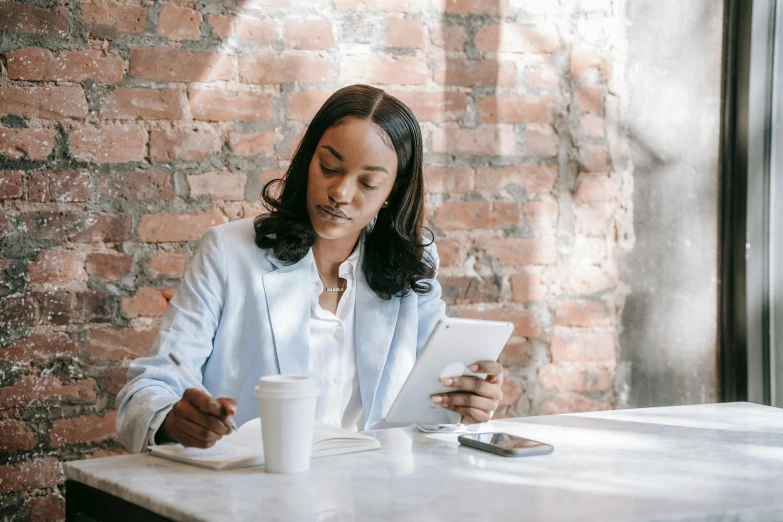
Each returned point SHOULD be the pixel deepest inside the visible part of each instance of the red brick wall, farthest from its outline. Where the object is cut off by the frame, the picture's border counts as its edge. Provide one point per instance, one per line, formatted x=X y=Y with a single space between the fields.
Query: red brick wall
x=129 y=128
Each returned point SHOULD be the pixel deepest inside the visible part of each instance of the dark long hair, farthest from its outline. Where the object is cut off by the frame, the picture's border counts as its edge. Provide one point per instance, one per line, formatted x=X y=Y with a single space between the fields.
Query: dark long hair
x=394 y=256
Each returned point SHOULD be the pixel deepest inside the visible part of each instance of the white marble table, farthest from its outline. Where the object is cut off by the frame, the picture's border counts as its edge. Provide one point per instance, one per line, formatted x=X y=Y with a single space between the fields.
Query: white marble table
x=708 y=463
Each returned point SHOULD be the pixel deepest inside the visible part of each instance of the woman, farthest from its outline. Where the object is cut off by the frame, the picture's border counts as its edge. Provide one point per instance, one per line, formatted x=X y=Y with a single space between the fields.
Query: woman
x=334 y=282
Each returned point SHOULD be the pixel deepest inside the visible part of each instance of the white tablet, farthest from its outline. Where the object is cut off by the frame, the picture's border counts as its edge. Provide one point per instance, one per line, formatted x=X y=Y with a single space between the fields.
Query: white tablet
x=453 y=345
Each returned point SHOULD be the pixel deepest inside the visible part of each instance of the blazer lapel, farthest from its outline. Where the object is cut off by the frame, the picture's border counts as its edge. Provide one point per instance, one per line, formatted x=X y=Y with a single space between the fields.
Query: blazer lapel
x=376 y=320
x=288 y=292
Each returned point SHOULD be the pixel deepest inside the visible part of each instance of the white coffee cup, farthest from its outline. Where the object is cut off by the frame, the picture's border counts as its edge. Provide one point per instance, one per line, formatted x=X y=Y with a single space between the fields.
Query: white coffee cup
x=286 y=404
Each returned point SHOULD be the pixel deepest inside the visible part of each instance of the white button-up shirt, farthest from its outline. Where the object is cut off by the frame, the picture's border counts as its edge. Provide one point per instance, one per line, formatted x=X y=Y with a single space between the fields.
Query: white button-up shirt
x=333 y=351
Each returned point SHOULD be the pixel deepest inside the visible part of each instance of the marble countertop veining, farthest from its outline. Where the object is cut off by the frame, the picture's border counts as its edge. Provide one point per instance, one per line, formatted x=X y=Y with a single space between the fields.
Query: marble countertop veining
x=684 y=463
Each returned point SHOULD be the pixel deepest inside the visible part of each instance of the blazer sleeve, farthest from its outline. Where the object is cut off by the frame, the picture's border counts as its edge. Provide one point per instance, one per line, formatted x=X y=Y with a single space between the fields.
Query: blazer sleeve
x=188 y=330
x=431 y=307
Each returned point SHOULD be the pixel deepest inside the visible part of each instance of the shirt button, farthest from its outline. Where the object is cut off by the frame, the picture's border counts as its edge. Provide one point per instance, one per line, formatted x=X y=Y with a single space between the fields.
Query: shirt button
x=334 y=381
x=336 y=335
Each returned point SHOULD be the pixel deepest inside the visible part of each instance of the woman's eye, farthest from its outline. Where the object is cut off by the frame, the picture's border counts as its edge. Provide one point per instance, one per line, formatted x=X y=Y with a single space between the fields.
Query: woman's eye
x=328 y=171
x=369 y=186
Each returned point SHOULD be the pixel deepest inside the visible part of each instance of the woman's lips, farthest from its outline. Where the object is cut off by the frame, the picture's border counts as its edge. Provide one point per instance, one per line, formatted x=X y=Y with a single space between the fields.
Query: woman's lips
x=331 y=216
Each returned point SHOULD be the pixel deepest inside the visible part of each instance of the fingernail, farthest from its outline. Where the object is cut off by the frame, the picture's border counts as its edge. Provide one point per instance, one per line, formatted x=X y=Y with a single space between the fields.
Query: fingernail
x=447 y=381
x=437 y=399
x=473 y=367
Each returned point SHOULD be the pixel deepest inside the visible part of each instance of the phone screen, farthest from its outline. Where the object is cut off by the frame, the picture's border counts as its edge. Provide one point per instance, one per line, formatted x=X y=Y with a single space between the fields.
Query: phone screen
x=505 y=441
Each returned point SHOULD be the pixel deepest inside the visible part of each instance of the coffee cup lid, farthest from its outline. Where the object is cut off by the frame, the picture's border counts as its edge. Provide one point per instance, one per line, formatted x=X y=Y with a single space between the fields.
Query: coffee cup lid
x=286 y=384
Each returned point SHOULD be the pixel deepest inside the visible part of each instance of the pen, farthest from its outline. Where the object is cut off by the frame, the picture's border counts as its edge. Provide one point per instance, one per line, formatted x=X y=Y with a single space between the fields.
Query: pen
x=193 y=381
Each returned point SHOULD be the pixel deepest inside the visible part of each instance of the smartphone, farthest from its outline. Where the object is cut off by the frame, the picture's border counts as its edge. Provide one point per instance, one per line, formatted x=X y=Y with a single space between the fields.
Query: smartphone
x=505 y=444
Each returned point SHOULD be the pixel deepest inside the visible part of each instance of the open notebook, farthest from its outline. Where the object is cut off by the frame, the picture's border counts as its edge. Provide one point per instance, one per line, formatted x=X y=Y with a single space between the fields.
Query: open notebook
x=245 y=447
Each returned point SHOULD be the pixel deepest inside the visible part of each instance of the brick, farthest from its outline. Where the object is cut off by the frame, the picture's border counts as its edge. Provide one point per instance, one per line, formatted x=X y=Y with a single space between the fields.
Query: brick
x=515 y=352
x=85 y=429
x=186 y=143
x=108 y=266
x=148 y=302
x=528 y=286
x=3 y=223
x=218 y=186
x=119 y=345
x=469 y=73
x=308 y=34
x=384 y=70
x=30 y=475
x=93 y=307
x=589 y=279
x=108 y=144
x=168 y=264
x=590 y=126
x=466 y=289
x=516 y=38
x=576 y=378
x=222 y=25
x=493 y=140
x=538 y=179
x=520 y=251
x=59 y=186
x=434 y=106
x=48 y=103
x=39 y=64
x=590 y=98
x=37 y=349
x=512 y=389
x=594 y=158
x=114 y=379
x=541 y=140
x=21 y=18
x=54 y=266
x=31 y=390
x=593 y=219
x=472 y=215
x=516 y=109
x=18 y=309
x=144 y=185
x=56 y=308
x=542 y=216
x=35 y=144
x=147 y=104
x=569 y=346
x=179 y=23
x=17 y=436
x=44 y=509
x=449 y=252
x=262 y=32
x=165 y=228
x=541 y=71
x=104 y=228
x=288 y=67
x=525 y=325
x=250 y=143
x=179 y=65
x=590 y=64
x=449 y=37
x=581 y=313
x=222 y=105
x=593 y=188
x=573 y=403
x=404 y=33
x=11 y=184
x=302 y=105
x=112 y=20
x=452 y=180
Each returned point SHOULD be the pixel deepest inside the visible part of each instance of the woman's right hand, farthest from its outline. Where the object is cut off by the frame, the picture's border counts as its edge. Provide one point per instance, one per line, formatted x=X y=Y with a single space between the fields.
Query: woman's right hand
x=197 y=420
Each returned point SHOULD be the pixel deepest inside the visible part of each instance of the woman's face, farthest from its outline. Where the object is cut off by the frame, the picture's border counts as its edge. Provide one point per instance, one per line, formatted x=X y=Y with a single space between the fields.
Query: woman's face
x=351 y=175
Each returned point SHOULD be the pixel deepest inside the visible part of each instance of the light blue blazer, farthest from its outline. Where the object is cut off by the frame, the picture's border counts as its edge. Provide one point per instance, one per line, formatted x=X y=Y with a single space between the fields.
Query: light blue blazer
x=241 y=314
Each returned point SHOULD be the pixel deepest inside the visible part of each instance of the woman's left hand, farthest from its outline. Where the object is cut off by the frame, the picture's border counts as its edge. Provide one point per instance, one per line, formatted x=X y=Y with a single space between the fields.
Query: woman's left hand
x=482 y=397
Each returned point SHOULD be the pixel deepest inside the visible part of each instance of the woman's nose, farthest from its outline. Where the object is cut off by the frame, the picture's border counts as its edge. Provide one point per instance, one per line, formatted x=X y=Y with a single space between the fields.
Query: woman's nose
x=341 y=192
